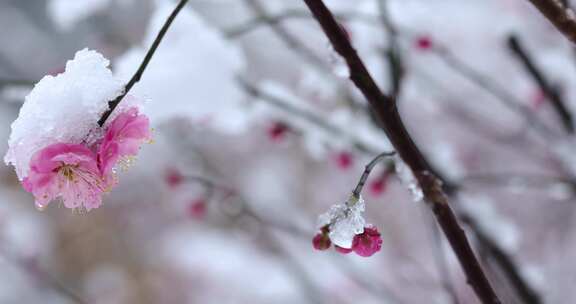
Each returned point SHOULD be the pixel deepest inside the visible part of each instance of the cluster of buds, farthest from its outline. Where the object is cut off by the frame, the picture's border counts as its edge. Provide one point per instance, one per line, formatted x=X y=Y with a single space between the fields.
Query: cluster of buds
x=344 y=226
x=364 y=244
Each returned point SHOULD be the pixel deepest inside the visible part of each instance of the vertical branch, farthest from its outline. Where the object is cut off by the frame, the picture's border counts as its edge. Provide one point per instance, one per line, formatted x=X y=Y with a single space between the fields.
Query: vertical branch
x=385 y=108
x=136 y=77
x=551 y=93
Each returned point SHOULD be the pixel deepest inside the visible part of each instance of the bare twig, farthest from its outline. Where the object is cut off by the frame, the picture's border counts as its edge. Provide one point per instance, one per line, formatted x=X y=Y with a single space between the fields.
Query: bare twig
x=367 y=171
x=505 y=262
x=290 y=14
x=310 y=117
x=561 y=16
x=289 y=39
x=551 y=93
x=136 y=77
x=385 y=108
x=495 y=90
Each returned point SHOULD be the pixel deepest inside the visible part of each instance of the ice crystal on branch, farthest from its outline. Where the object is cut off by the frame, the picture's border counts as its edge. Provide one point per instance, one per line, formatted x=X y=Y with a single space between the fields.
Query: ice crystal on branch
x=344 y=221
x=407 y=178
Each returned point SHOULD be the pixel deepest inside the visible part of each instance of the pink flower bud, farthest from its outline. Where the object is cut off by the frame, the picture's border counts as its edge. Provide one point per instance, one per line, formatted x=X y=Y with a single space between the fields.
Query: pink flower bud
x=423 y=43
x=344 y=160
x=321 y=241
x=173 y=177
x=368 y=242
x=278 y=130
x=378 y=186
x=197 y=209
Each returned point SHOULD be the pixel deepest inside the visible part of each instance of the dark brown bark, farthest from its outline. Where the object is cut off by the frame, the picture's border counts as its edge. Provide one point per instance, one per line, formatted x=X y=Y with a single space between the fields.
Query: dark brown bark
x=385 y=108
x=559 y=15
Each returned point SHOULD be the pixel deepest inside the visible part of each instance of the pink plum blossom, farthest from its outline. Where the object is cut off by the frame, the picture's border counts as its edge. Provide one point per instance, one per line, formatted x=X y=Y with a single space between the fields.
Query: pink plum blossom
x=78 y=175
x=66 y=171
x=368 y=242
x=123 y=138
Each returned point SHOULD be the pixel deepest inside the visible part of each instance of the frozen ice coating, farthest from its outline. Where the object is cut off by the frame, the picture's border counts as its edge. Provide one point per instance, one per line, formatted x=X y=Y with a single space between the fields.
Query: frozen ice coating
x=407 y=178
x=193 y=73
x=62 y=108
x=345 y=220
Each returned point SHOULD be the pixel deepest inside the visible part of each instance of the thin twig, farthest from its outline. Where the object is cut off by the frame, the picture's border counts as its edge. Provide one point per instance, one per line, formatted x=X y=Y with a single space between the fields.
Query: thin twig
x=551 y=93
x=15 y=82
x=386 y=110
x=495 y=90
x=367 y=171
x=289 y=39
x=505 y=262
x=136 y=77
x=310 y=117
x=290 y=14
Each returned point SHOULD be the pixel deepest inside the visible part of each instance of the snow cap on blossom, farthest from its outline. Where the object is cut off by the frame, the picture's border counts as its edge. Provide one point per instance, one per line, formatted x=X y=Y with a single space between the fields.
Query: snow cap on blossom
x=62 y=108
x=344 y=221
x=57 y=147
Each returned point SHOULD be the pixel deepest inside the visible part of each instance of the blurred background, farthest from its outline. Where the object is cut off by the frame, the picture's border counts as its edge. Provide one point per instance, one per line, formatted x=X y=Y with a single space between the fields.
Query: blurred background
x=257 y=131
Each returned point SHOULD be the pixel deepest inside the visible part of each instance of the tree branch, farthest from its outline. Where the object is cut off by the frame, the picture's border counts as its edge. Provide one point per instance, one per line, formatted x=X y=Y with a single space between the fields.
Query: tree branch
x=551 y=93
x=385 y=108
x=505 y=262
x=561 y=16
x=136 y=77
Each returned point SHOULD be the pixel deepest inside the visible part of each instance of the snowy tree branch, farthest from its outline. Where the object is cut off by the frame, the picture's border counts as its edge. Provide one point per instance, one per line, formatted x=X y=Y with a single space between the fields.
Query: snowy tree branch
x=385 y=108
x=136 y=77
